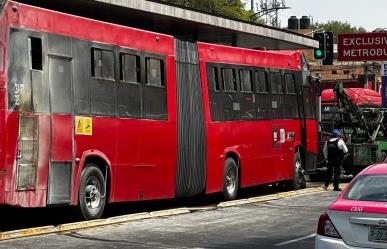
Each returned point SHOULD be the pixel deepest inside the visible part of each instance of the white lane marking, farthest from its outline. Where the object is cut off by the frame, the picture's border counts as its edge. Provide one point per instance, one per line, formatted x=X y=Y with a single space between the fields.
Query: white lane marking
x=295 y=240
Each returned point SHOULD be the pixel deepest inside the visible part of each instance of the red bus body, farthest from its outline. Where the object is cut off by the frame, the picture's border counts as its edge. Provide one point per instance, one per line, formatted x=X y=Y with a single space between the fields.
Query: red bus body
x=140 y=154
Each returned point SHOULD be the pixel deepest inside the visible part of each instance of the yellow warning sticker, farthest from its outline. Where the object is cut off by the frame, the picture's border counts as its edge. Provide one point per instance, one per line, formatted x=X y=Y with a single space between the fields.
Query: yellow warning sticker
x=79 y=125
x=88 y=126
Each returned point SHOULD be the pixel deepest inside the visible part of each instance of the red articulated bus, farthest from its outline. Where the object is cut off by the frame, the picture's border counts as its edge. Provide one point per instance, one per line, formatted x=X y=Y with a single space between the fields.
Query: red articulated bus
x=94 y=113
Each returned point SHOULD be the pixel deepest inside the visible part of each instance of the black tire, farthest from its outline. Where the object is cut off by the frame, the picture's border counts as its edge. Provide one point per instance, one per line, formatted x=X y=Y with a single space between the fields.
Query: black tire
x=230 y=180
x=92 y=196
x=298 y=181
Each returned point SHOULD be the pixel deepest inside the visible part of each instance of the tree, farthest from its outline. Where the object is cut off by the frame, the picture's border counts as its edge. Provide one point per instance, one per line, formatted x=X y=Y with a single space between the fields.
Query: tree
x=229 y=8
x=338 y=27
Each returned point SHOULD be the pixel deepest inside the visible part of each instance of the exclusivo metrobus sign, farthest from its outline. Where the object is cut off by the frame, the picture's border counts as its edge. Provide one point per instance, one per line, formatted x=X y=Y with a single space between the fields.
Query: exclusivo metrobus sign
x=362 y=47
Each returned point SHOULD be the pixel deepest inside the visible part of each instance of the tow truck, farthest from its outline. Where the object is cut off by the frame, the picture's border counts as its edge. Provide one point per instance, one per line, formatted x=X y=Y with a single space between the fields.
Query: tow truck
x=358 y=114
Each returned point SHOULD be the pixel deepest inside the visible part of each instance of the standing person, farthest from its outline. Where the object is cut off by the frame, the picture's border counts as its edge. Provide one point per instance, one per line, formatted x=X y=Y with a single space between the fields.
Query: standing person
x=335 y=151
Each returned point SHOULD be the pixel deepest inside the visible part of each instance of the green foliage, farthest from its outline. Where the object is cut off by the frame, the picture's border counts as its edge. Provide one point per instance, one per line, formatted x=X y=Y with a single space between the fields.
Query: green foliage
x=229 y=8
x=337 y=27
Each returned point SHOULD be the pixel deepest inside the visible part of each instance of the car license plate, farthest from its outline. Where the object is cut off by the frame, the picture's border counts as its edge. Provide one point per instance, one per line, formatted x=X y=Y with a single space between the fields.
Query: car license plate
x=377 y=234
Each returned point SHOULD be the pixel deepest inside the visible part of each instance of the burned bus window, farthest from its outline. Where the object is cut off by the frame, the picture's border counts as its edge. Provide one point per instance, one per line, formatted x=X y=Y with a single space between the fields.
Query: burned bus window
x=229 y=79
x=107 y=64
x=36 y=53
x=290 y=84
x=214 y=93
x=102 y=85
x=261 y=79
x=155 y=72
x=96 y=63
x=215 y=78
x=130 y=70
x=102 y=64
x=276 y=83
x=247 y=84
x=155 y=93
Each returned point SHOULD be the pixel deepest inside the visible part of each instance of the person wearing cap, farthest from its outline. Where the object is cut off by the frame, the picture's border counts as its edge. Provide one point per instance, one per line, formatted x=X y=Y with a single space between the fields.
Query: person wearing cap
x=335 y=151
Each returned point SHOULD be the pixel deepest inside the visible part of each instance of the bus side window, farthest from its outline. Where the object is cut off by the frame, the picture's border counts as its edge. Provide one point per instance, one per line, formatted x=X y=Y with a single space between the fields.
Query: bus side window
x=247 y=96
x=36 y=53
x=261 y=79
x=279 y=83
x=155 y=72
x=214 y=93
x=277 y=97
x=215 y=79
x=102 y=84
x=308 y=103
x=39 y=94
x=129 y=89
x=102 y=63
x=230 y=96
x=246 y=80
x=291 y=97
x=290 y=84
x=155 y=97
x=229 y=79
x=263 y=96
x=130 y=68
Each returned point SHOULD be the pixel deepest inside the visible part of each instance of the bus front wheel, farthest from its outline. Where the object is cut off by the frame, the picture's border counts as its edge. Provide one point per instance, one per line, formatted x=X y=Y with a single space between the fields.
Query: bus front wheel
x=92 y=192
x=230 y=179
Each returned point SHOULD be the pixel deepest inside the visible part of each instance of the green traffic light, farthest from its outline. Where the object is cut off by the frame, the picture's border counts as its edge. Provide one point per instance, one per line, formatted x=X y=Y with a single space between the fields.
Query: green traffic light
x=318 y=53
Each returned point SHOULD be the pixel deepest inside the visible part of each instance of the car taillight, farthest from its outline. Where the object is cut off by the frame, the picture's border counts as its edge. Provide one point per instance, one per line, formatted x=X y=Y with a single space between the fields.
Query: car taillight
x=326 y=228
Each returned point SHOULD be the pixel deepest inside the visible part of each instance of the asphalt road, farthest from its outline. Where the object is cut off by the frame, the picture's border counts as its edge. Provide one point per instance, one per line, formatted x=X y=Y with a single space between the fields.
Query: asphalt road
x=13 y=218
x=287 y=223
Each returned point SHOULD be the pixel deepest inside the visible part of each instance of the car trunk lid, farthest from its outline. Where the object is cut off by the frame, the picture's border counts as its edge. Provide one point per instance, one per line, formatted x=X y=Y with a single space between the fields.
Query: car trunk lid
x=362 y=224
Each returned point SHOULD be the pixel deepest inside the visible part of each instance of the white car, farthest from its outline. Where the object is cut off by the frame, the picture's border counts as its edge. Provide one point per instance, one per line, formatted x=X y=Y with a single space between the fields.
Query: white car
x=358 y=218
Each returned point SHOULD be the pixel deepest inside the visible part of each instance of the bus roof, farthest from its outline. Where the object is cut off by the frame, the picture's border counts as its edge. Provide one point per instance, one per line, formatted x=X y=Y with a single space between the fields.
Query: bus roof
x=290 y=60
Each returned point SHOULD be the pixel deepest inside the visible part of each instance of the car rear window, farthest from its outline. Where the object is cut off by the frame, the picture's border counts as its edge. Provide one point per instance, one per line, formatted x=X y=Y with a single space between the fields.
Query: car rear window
x=368 y=188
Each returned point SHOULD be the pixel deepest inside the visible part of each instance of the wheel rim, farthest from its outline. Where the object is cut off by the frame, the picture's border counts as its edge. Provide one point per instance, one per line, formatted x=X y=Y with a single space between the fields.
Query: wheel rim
x=297 y=170
x=231 y=180
x=93 y=196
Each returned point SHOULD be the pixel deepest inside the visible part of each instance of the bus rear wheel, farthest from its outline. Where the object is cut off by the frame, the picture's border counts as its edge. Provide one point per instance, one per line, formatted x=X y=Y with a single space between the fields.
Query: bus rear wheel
x=230 y=179
x=298 y=181
x=92 y=192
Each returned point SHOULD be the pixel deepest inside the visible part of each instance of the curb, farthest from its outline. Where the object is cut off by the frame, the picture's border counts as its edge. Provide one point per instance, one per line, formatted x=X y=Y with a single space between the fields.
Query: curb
x=70 y=227
x=75 y=226
x=274 y=196
x=22 y=233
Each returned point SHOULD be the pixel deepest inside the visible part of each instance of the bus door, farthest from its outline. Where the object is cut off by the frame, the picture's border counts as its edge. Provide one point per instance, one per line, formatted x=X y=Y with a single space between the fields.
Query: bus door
x=278 y=130
x=290 y=114
x=61 y=120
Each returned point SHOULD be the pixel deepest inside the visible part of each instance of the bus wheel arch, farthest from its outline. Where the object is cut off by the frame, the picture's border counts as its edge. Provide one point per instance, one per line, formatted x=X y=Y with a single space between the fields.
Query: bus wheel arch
x=298 y=180
x=231 y=176
x=104 y=166
x=94 y=185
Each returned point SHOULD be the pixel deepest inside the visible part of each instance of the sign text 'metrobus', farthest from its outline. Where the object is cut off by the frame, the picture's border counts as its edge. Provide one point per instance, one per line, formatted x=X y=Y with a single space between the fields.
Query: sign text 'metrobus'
x=362 y=47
